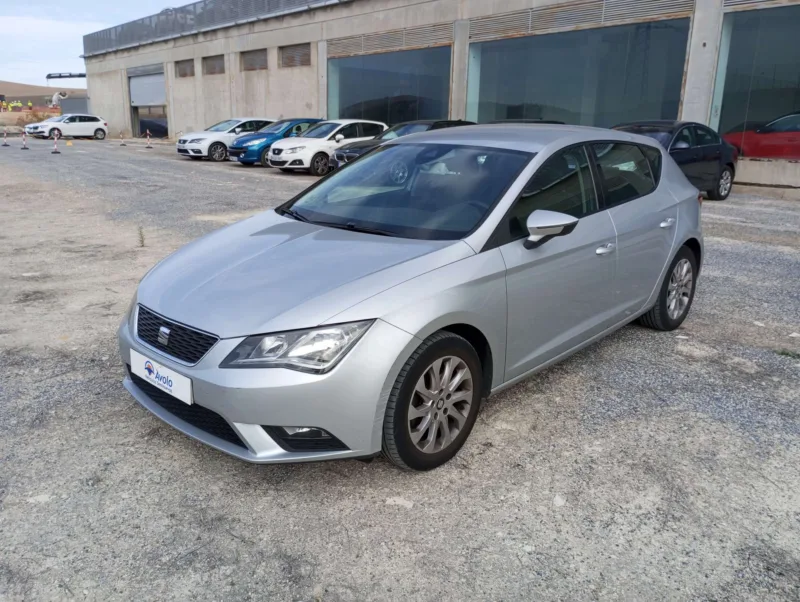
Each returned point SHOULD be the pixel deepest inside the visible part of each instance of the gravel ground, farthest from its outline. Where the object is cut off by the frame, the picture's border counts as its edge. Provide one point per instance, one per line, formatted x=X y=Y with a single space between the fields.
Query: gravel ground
x=649 y=466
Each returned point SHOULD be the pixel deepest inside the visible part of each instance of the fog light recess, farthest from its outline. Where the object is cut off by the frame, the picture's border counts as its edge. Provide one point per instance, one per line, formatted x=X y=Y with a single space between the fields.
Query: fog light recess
x=304 y=438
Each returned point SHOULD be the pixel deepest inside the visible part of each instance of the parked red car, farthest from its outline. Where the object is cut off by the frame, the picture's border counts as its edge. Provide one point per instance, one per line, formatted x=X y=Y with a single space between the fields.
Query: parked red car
x=779 y=139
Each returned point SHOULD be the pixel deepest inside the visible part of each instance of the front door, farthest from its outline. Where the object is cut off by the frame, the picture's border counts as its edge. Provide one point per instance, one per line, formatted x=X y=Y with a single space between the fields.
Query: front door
x=687 y=156
x=561 y=293
x=645 y=219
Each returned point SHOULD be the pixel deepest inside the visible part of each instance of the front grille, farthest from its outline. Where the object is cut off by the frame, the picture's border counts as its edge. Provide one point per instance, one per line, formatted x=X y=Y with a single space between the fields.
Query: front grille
x=199 y=417
x=182 y=141
x=278 y=163
x=185 y=344
x=276 y=151
x=234 y=152
x=183 y=151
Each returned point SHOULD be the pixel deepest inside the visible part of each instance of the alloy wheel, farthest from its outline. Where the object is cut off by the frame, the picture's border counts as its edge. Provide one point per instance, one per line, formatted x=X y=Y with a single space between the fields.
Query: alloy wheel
x=725 y=183
x=440 y=404
x=679 y=291
x=218 y=152
x=320 y=165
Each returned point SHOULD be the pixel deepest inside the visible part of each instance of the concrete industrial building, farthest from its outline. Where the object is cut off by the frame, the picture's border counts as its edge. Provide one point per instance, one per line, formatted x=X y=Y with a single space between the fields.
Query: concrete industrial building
x=733 y=64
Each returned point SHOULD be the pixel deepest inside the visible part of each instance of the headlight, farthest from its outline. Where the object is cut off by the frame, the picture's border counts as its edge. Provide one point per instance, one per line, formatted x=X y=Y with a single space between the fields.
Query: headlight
x=254 y=142
x=130 y=316
x=196 y=141
x=316 y=350
x=296 y=149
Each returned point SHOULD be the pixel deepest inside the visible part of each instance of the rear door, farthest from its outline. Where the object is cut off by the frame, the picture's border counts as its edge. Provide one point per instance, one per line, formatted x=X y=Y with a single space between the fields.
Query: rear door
x=645 y=217
x=370 y=130
x=562 y=292
x=709 y=151
x=71 y=126
x=687 y=158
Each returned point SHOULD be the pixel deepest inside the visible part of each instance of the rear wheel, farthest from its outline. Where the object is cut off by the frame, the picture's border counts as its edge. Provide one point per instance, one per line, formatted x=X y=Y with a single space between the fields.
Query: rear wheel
x=99 y=134
x=433 y=404
x=724 y=185
x=676 y=294
x=217 y=152
x=319 y=165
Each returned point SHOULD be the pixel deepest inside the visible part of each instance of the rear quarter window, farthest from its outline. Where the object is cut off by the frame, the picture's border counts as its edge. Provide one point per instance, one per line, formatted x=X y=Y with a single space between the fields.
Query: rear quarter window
x=655 y=159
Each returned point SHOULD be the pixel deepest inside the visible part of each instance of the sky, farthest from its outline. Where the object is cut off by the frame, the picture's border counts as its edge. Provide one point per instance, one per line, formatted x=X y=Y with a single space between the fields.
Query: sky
x=38 y=37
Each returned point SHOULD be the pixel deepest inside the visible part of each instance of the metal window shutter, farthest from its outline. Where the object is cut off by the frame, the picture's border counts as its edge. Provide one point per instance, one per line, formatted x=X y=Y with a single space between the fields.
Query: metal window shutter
x=399 y=39
x=753 y=3
x=298 y=55
x=588 y=13
x=148 y=90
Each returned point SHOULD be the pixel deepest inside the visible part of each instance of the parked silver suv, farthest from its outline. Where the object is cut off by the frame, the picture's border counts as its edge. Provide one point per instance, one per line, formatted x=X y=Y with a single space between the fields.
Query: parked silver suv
x=378 y=308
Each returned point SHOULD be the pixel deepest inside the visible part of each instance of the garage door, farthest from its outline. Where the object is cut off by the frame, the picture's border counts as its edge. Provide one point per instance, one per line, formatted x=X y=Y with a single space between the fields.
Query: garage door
x=147 y=86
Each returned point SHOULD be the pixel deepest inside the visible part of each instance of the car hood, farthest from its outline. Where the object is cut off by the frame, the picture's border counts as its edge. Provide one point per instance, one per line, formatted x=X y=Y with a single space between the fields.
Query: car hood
x=40 y=124
x=269 y=138
x=271 y=273
x=299 y=141
x=361 y=146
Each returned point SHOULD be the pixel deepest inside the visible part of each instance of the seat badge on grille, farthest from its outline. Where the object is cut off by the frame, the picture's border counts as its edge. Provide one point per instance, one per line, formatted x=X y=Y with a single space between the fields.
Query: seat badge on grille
x=163 y=335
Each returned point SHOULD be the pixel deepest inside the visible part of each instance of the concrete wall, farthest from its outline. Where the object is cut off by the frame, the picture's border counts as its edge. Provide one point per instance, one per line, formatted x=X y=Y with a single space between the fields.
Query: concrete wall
x=108 y=98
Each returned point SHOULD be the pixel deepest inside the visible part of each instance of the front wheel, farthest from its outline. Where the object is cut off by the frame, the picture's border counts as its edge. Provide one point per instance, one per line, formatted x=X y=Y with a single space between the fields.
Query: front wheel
x=99 y=134
x=217 y=152
x=434 y=403
x=264 y=159
x=319 y=165
x=55 y=132
x=676 y=294
x=724 y=185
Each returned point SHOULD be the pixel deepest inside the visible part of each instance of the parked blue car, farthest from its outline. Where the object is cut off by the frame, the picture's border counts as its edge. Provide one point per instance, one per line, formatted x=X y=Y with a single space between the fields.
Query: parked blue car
x=254 y=148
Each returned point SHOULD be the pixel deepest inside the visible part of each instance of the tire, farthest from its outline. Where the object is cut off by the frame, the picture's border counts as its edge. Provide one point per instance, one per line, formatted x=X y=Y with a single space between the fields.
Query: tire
x=398 y=445
x=99 y=134
x=217 y=152
x=660 y=317
x=52 y=134
x=319 y=165
x=724 y=185
x=264 y=158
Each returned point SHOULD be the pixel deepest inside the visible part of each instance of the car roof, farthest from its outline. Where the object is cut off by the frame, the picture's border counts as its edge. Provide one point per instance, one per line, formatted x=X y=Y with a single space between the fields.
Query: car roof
x=346 y=121
x=666 y=125
x=523 y=137
x=252 y=119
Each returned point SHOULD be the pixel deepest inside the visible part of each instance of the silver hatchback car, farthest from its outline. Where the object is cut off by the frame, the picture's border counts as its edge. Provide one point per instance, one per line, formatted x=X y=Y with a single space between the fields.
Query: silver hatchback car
x=377 y=309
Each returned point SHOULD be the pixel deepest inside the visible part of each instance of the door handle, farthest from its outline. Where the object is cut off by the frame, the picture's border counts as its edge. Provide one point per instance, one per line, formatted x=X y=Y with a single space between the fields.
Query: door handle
x=606 y=249
x=668 y=223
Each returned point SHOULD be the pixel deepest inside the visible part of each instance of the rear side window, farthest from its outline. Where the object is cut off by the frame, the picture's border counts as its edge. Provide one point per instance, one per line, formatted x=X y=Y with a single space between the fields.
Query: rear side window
x=654 y=157
x=624 y=172
x=371 y=129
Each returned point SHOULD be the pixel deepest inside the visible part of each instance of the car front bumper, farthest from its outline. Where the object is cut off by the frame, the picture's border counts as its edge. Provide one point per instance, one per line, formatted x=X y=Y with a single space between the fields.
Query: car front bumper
x=246 y=154
x=301 y=160
x=192 y=150
x=348 y=402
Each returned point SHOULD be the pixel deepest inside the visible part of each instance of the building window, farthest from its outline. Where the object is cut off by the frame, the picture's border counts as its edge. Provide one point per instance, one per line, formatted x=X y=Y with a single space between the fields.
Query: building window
x=298 y=55
x=253 y=60
x=184 y=68
x=599 y=77
x=214 y=65
x=391 y=87
x=756 y=104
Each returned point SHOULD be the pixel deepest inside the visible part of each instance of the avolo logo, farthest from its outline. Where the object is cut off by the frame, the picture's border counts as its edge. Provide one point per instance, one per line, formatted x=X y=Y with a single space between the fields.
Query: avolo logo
x=162 y=379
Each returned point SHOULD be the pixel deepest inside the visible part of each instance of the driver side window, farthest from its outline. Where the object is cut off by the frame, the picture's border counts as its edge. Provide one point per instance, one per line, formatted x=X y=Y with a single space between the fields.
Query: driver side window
x=685 y=135
x=348 y=131
x=564 y=184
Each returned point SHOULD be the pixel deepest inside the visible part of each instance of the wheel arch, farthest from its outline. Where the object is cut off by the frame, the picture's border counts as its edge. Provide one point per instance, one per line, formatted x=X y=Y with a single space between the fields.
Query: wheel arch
x=480 y=343
x=697 y=249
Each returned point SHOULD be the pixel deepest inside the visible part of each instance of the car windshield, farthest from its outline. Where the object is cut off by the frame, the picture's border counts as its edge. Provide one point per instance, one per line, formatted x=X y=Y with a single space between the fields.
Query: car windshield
x=404 y=130
x=321 y=130
x=424 y=191
x=223 y=126
x=59 y=118
x=657 y=134
x=275 y=128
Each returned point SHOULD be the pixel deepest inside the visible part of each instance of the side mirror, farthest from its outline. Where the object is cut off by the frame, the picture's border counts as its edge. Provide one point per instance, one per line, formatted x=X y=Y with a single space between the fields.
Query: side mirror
x=681 y=145
x=237 y=130
x=339 y=137
x=543 y=225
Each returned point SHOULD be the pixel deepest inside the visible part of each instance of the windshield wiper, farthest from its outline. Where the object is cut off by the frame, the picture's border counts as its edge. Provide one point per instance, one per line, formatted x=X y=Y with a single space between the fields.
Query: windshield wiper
x=354 y=228
x=295 y=215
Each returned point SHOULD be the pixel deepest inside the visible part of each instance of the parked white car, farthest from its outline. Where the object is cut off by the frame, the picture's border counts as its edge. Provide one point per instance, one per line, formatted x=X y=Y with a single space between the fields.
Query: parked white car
x=312 y=151
x=75 y=126
x=214 y=141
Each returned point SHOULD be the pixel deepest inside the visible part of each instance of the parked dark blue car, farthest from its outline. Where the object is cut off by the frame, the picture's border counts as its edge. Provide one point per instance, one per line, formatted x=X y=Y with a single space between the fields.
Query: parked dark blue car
x=254 y=148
